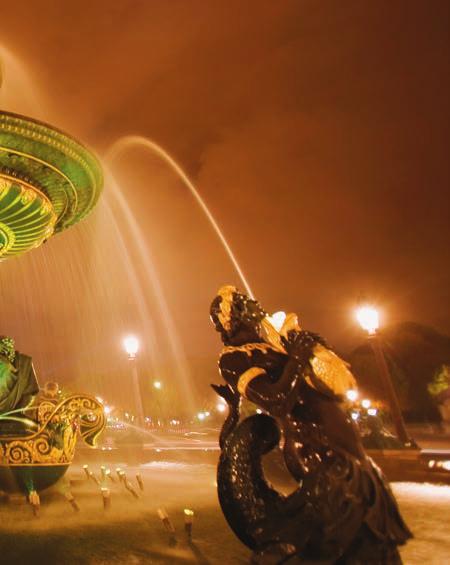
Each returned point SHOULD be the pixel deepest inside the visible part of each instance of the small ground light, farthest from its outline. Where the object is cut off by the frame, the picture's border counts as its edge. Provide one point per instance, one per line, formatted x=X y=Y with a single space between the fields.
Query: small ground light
x=221 y=407
x=164 y=517
x=130 y=488
x=201 y=416
x=35 y=501
x=157 y=384
x=365 y=403
x=140 y=481
x=109 y=476
x=71 y=500
x=352 y=395
x=188 y=520
x=355 y=416
x=106 y=495
x=94 y=478
x=372 y=411
x=258 y=411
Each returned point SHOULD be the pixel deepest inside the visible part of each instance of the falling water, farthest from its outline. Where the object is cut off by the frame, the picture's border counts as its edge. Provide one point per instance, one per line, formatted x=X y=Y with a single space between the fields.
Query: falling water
x=128 y=141
x=176 y=346
x=72 y=290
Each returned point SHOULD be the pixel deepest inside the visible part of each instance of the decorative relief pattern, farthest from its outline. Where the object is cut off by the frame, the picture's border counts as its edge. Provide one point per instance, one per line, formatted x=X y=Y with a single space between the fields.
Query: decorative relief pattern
x=54 y=442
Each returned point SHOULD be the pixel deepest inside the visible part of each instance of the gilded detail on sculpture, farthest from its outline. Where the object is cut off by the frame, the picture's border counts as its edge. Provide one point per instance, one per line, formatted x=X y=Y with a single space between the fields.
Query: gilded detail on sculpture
x=54 y=441
x=48 y=182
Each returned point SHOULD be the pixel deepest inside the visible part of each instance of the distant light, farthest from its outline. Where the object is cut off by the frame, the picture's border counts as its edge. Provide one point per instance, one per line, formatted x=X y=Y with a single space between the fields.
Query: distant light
x=367 y=317
x=157 y=384
x=277 y=320
x=201 y=415
x=207 y=414
x=372 y=411
x=131 y=345
x=221 y=407
x=365 y=403
x=107 y=409
x=352 y=395
x=99 y=399
x=355 y=416
x=258 y=411
x=446 y=465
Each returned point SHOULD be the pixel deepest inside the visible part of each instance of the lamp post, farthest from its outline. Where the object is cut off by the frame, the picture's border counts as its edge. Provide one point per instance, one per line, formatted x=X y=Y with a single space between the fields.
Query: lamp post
x=131 y=345
x=368 y=319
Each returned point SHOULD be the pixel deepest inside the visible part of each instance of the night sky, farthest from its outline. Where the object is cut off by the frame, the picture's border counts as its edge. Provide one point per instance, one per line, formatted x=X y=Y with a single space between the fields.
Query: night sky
x=317 y=132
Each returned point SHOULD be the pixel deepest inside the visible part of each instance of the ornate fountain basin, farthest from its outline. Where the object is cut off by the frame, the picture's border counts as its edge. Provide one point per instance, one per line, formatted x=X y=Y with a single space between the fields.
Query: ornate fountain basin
x=35 y=455
x=48 y=182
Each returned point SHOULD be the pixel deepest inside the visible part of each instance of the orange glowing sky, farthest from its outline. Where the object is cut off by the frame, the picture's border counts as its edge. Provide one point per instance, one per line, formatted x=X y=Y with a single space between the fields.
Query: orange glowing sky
x=317 y=132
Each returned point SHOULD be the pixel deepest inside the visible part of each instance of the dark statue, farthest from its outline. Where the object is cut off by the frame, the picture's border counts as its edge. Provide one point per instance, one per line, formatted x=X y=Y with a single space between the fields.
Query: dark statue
x=343 y=510
x=18 y=382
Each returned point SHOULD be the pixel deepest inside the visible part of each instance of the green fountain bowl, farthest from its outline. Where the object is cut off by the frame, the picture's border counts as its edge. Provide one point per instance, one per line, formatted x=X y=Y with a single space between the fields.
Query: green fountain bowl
x=48 y=182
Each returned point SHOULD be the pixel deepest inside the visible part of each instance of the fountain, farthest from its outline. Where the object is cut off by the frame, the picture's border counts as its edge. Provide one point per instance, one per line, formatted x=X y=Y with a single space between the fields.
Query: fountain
x=48 y=183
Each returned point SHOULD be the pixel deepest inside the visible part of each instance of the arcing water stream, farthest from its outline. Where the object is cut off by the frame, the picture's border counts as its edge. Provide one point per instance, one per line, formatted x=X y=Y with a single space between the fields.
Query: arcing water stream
x=130 y=141
x=81 y=291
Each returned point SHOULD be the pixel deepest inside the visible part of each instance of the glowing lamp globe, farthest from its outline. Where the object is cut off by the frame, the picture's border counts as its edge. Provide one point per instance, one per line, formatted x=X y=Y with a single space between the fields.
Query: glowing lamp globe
x=368 y=319
x=131 y=345
x=277 y=320
x=48 y=183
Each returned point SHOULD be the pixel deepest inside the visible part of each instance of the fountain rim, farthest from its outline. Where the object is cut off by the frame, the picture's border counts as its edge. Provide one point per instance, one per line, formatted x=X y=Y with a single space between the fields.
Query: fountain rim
x=54 y=129
x=66 y=151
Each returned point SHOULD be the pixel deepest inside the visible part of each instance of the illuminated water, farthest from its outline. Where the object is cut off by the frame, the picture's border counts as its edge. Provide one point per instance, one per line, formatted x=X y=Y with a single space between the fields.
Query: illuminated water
x=129 y=141
x=70 y=302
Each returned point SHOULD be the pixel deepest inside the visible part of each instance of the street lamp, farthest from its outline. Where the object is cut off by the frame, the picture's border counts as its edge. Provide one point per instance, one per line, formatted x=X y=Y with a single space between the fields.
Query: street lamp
x=131 y=345
x=368 y=319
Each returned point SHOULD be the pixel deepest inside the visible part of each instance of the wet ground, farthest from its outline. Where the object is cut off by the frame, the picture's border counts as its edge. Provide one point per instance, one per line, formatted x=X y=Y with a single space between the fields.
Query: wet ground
x=131 y=532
